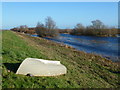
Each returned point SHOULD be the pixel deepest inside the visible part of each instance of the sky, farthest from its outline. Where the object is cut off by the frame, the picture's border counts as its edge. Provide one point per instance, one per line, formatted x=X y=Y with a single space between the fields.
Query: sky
x=65 y=14
x=60 y=0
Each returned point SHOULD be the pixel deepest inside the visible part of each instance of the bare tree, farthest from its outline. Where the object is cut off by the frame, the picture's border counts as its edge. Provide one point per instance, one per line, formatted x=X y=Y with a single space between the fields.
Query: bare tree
x=47 y=30
x=97 y=24
x=40 y=29
x=51 y=27
x=78 y=30
x=79 y=26
x=49 y=23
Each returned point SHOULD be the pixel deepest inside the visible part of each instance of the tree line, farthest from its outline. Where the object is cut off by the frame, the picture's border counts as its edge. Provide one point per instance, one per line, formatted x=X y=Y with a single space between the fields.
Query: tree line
x=49 y=29
x=96 y=29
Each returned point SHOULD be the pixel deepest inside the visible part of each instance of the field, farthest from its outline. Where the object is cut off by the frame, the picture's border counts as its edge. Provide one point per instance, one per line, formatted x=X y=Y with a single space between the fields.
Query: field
x=83 y=70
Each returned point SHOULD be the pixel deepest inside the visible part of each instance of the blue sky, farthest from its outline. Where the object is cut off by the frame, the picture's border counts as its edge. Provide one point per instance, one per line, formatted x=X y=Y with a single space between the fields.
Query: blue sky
x=65 y=14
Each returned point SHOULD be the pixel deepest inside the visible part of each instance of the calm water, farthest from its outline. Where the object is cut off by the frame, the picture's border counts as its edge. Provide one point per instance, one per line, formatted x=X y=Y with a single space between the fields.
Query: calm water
x=105 y=46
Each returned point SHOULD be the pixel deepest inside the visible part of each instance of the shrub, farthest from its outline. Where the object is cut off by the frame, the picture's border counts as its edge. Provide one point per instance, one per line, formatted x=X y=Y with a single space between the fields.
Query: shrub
x=47 y=30
x=97 y=29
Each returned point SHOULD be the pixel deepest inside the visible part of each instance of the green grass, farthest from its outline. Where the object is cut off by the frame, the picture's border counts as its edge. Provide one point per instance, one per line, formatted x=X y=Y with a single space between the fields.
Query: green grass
x=83 y=70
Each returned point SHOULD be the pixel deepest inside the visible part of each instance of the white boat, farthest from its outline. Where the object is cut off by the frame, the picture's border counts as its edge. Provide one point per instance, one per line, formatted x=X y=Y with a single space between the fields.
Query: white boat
x=40 y=67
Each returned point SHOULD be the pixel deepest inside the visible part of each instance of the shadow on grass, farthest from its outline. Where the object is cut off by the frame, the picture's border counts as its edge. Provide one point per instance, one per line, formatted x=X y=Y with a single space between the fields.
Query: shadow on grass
x=116 y=72
x=12 y=66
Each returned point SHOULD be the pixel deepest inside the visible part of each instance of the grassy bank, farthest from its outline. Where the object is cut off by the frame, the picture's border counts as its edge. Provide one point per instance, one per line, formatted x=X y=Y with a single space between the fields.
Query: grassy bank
x=83 y=70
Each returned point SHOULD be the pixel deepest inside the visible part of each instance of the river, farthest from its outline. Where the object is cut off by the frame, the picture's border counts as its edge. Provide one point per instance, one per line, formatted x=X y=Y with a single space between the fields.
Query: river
x=104 y=46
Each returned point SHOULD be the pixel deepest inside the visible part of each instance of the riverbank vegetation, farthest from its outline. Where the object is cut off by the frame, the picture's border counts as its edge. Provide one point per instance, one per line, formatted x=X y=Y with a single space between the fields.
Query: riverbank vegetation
x=83 y=70
x=49 y=29
x=96 y=29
